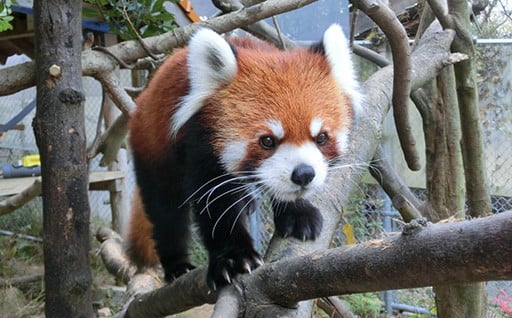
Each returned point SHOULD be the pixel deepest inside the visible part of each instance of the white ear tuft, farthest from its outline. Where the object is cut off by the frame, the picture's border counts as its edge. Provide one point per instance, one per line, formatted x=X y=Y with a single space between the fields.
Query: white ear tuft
x=211 y=62
x=337 y=52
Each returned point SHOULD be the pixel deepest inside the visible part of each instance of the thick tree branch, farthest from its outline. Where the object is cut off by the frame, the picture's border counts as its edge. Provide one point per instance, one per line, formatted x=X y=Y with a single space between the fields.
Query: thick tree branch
x=228 y=303
x=461 y=252
x=186 y=292
x=113 y=256
x=16 y=78
x=441 y=12
x=386 y=19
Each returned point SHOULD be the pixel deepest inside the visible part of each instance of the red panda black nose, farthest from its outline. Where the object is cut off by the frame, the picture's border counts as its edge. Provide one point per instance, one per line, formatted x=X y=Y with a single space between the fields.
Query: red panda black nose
x=303 y=174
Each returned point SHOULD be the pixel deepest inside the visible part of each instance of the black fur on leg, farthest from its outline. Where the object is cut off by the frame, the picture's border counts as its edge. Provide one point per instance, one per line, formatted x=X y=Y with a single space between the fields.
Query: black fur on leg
x=299 y=219
x=171 y=223
x=222 y=223
x=221 y=205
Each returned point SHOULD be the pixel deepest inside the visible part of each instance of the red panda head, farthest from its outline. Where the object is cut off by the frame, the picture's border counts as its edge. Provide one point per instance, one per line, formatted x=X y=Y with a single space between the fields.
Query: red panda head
x=281 y=117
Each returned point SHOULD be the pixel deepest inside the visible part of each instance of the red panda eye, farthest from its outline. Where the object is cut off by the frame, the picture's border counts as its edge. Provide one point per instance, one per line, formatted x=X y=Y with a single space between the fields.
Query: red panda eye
x=267 y=142
x=321 y=139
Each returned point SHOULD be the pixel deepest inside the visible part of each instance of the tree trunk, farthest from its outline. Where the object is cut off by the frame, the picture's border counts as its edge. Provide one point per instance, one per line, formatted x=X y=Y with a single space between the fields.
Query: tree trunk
x=60 y=136
x=466 y=300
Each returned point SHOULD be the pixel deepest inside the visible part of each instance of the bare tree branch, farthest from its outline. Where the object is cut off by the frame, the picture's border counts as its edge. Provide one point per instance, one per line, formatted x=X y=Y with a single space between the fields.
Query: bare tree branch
x=260 y=29
x=370 y=55
x=110 y=83
x=386 y=19
x=478 y=197
x=21 y=280
x=12 y=203
x=334 y=308
x=406 y=202
x=188 y=291
x=461 y=251
x=113 y=256
x=16 y=78
x=111 y=141
x=441 y=12
x=228 y=303
x=420 y=256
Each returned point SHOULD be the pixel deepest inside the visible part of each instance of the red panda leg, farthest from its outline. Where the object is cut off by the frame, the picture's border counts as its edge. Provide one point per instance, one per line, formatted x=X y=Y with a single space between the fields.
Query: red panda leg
x=223 y=227
x=164 y=241
x=221 y=205
x=161 y=195
x=299 y=219
x=171 y=232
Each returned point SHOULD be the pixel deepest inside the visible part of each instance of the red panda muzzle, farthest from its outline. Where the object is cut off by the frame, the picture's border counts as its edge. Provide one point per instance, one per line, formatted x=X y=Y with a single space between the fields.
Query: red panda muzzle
x=302 y=175
x=223 y=123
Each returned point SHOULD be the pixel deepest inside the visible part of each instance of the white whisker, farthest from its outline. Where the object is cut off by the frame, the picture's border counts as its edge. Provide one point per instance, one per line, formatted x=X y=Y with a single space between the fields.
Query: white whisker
x=210 y=193
x=253 y=195
x=201 y=187
x=229 y=208
x=241 y=177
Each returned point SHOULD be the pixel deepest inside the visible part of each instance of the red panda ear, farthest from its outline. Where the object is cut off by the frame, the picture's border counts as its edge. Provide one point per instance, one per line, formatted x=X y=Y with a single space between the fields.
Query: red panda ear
x=336 y=49
x=211 y=62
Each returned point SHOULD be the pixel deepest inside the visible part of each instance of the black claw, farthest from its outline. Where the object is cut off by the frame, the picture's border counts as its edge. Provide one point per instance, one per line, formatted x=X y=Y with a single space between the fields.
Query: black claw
x=299 y=219
x=226 y=264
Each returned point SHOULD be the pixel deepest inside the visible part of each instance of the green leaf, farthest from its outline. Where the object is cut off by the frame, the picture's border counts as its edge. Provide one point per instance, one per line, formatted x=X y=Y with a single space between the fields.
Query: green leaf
x=5 y=26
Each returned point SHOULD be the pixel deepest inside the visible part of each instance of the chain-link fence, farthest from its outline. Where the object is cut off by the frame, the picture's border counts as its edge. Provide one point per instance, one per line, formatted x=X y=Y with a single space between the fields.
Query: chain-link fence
x=370 y=214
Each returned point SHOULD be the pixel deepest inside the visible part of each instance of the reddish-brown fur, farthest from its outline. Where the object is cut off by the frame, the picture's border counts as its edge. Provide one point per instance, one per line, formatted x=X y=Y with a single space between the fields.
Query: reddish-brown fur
x=239 y=110
x=291 y=81
x=140 y=234
x=151 y=121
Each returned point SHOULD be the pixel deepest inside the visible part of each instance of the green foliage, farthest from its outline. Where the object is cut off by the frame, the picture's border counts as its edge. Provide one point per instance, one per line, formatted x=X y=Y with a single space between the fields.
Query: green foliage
x=131 y=17
x=6 y=15
x=364 y=305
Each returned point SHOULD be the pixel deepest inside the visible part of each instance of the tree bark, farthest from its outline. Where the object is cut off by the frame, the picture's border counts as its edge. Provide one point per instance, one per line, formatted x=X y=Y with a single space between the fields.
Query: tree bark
x=60 y=136
x=465 y=300
x=460 y=252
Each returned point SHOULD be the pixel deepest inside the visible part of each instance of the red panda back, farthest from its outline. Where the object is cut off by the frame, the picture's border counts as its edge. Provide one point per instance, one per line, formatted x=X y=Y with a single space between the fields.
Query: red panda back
x=222 y=122
x=150 y=122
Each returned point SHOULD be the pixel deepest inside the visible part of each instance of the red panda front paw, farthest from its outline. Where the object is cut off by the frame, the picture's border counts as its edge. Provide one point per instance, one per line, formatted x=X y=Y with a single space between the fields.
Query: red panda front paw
x=230 y=261
x=175 y=271
x=299 y=219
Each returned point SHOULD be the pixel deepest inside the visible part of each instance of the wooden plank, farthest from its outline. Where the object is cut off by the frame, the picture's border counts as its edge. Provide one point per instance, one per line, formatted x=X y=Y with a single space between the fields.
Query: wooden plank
x=16 y=185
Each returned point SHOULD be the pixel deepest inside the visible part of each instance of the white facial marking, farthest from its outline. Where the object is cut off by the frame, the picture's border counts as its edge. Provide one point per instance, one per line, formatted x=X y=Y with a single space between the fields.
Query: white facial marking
x=315 y=126
x=276 y=127
x=233 y=154
x=276 y=171
x=342 y=140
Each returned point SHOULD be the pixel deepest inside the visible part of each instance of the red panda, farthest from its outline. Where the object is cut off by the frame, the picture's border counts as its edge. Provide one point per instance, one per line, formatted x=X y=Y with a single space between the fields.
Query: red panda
x=223 y=122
